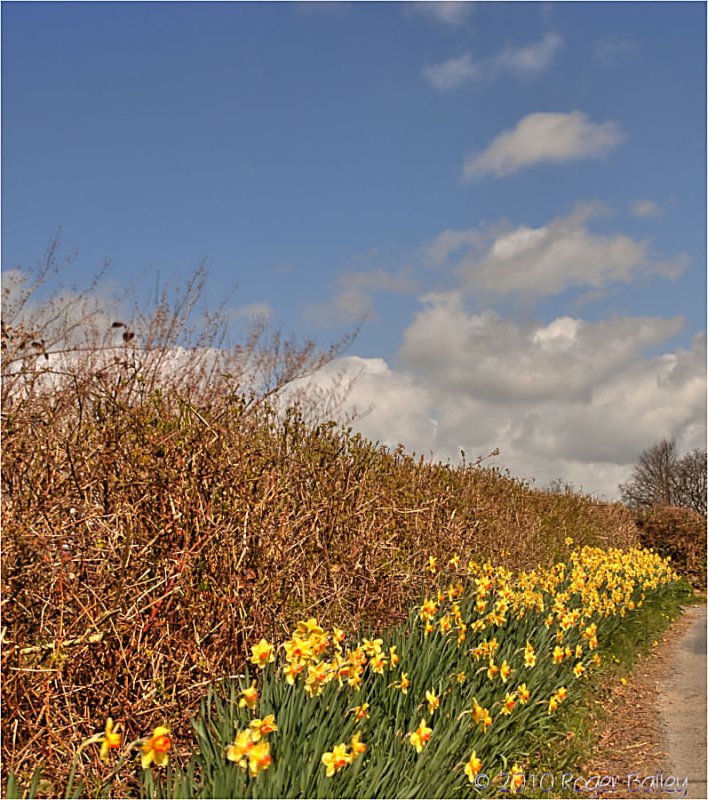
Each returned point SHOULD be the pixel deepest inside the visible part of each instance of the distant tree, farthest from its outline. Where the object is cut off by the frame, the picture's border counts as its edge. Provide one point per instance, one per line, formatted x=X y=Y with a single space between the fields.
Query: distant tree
x=691 y=488
x=662 y=477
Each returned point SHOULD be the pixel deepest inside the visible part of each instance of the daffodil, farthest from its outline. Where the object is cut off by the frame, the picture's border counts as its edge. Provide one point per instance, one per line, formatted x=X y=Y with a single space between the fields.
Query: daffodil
x=338 y=637
x=292 y=671
x=433 y=701
x=517 y=779
x=473 y=766
x=110 y=741
x=421 y=736
x=259 y=758
x=523 y=693
x=492 y=670
x=509 y=703
x=428 y=610
x=336 y=760
x=378 y=664
x=317 y=676
x=360 y=712
x=156 y=748
x=308 y=628
x=262 y=727
x=505 y=671
x=239 y=750
x=358 y=747
x=262 y=654
x=372 y=647
x=249 y=697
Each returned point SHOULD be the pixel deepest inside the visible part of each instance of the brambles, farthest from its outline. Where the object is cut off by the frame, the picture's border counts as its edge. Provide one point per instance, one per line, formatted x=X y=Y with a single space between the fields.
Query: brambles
x=160 y=517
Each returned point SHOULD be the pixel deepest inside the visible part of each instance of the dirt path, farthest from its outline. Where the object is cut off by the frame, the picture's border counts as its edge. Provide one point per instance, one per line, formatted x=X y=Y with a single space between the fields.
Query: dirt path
x=682 y=705
x=651 y=730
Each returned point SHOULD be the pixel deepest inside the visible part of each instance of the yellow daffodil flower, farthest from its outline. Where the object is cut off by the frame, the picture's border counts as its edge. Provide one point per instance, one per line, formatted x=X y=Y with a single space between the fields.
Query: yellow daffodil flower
x=262 y=654
x=421 y=736
x=358 y=747
x=262 y=727
x=249 y=697
x=336 y=760
x=110 y=741
x=239 y=750
x=259 y=758
x=473 y=767
x=156 y=748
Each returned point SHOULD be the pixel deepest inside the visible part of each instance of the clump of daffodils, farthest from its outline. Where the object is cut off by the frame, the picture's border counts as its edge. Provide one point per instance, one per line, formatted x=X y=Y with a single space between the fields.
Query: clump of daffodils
x=250 y=750
x=514 y=643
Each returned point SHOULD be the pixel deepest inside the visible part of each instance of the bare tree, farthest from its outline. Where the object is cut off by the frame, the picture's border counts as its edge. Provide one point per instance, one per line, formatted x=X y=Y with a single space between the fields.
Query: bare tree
x=691 y=481
x=662 y=477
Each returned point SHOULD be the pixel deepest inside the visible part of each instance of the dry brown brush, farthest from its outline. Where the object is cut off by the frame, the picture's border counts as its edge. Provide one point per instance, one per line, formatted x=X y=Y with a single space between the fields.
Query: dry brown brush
x=679 y=533
x=157 y=520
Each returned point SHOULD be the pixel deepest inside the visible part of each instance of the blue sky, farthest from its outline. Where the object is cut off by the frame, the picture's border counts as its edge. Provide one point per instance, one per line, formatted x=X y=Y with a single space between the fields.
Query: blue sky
x=502 y=189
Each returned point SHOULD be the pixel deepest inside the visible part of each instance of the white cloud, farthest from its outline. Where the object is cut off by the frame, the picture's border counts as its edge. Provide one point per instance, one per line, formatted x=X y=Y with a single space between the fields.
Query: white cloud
x=451 y=14
x=522 y=62
x=646 y=208
x=547 y=260
x=499 y=361
x=452 y=73
x=544 y=137
x=532 y=59
x=567 y=398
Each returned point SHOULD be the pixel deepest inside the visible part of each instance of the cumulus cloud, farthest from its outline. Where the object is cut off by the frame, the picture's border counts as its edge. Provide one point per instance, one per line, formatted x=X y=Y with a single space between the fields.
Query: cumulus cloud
x=522 y=62
x=565 y=398
x=450 y=14
x=646 y=208
x=562 y=397
x=497 y=360
x=549 y=259
x=544 y=137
